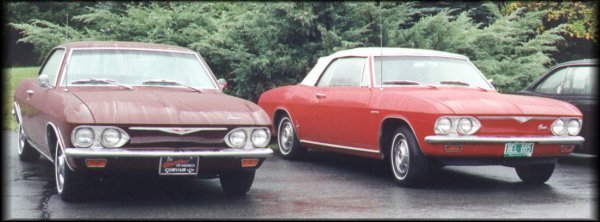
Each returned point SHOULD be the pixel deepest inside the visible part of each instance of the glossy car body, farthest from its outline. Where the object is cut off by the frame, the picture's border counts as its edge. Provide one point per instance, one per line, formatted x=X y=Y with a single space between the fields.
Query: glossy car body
x=150 y=121
x=364 y=119
x=557 y=83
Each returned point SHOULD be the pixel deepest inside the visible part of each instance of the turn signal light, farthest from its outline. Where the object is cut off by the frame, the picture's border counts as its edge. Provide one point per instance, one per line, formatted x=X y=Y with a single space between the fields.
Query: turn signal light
x=249 y=162
x=453 y=148
x=95 y=163
x=567 y=148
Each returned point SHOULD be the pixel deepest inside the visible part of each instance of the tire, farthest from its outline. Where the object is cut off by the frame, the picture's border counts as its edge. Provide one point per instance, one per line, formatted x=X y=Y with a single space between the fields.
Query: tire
x=69 y=184
x=287 y=140
x=25 y=151
x=408 y=165
x=237 y=183
x=535 y=173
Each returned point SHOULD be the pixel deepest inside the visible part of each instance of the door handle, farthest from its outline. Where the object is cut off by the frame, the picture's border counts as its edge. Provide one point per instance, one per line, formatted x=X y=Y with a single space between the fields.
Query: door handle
x=29 y=92
x=320 y=95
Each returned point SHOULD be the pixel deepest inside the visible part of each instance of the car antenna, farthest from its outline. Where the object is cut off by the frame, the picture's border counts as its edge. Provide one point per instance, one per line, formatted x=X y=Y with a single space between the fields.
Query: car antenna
x=67 y=29
x=380 y=48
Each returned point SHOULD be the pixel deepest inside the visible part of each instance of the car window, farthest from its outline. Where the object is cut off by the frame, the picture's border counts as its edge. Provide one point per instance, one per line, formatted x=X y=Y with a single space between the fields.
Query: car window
x=344 y=72
x=579 y=81
x=552 y=84
x=52 y=65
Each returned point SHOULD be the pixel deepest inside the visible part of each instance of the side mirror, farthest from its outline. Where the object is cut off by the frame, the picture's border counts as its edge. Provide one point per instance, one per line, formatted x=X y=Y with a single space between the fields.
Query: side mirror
x=44 y=81
x=222 y=83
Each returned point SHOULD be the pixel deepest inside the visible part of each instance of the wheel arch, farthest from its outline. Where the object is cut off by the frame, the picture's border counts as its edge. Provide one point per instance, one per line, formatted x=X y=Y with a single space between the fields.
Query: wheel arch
x=386 y=132
x=278 y=115
x=53 y=136
x=17 y=110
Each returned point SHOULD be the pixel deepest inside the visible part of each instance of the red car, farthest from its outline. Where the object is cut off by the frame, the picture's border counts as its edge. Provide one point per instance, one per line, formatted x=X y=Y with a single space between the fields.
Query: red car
x=104 y=107
x=433 y=109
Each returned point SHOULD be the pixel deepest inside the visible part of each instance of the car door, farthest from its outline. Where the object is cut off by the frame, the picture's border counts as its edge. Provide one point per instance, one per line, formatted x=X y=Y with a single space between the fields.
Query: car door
x=341 y=102
x=34 y=110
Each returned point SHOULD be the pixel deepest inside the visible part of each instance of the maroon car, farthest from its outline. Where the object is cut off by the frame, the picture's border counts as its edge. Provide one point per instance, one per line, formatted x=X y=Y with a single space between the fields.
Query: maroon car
x=102 y=107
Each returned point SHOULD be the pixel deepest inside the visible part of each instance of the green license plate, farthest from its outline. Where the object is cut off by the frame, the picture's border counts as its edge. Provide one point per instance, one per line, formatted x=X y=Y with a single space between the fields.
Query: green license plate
x=518 y=149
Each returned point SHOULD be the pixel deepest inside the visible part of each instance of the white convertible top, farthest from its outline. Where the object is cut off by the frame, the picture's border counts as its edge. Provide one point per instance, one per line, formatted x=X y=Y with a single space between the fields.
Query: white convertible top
x=312 y=76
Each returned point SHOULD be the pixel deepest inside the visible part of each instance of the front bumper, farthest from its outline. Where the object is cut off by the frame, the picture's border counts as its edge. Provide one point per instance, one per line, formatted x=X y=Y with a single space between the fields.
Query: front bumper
x=119 y=160
x=116 y=152
x=563 y=140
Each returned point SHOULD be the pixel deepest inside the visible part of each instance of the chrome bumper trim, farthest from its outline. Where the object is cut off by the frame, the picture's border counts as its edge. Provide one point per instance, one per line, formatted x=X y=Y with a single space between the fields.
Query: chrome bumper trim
x=115 y=152
x=491 y=139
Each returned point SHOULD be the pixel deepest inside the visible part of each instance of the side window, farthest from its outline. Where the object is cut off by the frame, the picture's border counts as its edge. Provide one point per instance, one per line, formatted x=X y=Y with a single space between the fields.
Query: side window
x=52 y=64
x=344 y=72
x=552 y=84
x=579 y=81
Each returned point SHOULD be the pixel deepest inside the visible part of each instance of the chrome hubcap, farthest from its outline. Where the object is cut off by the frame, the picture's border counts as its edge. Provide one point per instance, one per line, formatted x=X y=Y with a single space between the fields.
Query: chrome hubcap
x=21 y=140
x=400 y=156
x=286 y=137
x=60 y=168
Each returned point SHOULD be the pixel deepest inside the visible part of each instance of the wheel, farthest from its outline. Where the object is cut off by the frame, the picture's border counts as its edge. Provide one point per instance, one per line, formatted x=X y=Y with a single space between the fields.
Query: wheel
x=535 y=173
x=289 y=145
x=69 y=184
x=237 y=183
x=408 y=165
x=26 y=152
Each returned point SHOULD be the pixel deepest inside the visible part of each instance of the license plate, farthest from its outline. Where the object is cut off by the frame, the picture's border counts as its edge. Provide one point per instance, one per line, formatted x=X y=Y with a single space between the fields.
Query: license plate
x=178 y=166
x=518 y=149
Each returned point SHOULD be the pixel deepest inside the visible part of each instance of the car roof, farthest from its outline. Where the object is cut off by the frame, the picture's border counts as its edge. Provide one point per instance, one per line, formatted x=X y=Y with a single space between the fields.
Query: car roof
x=579 y=62
x=312 y=76
x=120 y=44
x=385 y=51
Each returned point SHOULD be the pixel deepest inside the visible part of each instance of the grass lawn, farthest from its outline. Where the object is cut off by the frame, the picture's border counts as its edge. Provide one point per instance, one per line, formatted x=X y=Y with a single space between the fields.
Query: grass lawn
x=11 y=78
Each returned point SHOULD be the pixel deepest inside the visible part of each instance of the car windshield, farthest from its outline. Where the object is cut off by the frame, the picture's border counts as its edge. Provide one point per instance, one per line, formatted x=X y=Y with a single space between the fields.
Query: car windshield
x=135 y=68
x=402 y=70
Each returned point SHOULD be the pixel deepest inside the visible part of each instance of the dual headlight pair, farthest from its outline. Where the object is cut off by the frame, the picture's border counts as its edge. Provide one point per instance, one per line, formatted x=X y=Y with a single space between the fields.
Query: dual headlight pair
x=466 y=125
x=463 y=125
x=98 y=136
x=566 y=126
x=248 y=137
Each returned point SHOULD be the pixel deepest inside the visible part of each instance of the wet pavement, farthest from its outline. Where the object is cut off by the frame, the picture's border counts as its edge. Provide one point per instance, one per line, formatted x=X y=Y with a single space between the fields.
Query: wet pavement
x=322 y=185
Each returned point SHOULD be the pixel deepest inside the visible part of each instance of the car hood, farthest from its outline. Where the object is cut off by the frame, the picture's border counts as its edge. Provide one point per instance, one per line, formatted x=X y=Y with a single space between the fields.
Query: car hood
x=167 y=106
x=468 y=101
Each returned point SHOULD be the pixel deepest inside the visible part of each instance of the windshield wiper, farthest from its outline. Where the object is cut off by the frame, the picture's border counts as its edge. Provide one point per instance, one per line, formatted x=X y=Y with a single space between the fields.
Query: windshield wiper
x=401 y=82
x=93 y=80
x=459 y=83
x=169 y=82
x=406 y=82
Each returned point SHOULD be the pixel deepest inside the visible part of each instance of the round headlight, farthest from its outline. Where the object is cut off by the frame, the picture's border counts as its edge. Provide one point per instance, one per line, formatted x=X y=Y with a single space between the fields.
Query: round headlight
x=83 y=137
x=237 y=138
x=260 y=138
x=573 y=127
x=558 y=127
x=465 y=125
x=443 y=125
x=110 y=137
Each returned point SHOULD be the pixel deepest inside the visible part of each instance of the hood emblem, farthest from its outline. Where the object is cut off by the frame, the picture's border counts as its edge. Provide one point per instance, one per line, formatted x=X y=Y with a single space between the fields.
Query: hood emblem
x=179 y=131
x=521 y=119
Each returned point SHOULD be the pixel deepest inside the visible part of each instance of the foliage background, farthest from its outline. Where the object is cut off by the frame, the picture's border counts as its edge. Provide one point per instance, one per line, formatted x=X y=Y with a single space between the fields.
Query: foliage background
x=259 y=46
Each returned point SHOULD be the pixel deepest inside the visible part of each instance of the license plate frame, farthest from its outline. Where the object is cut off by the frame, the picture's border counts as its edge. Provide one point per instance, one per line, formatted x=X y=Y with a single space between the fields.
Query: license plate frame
x=178 y=166
x=518 y=149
